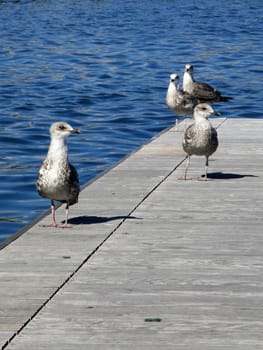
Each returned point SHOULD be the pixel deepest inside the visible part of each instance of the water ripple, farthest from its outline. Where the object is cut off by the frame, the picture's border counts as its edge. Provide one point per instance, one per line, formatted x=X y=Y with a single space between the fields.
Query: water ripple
x=103 y=66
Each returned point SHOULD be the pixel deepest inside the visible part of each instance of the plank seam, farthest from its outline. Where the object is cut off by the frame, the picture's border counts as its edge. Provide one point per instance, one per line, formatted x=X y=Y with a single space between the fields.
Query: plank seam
x=90 y=255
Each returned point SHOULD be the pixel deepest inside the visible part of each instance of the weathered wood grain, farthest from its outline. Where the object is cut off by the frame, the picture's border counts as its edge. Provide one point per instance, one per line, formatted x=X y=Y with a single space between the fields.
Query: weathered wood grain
x=152 y=262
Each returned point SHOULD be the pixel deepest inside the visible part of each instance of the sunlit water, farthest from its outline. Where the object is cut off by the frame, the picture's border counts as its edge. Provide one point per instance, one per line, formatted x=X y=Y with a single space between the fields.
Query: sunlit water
x=104 y=66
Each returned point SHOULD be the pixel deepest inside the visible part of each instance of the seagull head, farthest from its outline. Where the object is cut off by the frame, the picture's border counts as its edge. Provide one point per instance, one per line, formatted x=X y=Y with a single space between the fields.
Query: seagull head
x=204 y=110
x=188 y=68
x=62 y=130
x=174 y=78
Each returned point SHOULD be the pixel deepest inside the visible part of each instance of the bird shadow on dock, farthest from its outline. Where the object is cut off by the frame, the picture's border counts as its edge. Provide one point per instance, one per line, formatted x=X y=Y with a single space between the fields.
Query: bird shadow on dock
x=89 y=220
x=227 y=176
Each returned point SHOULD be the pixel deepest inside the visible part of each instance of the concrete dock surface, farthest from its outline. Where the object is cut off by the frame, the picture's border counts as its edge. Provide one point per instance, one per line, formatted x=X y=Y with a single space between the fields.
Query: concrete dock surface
x=151 y=262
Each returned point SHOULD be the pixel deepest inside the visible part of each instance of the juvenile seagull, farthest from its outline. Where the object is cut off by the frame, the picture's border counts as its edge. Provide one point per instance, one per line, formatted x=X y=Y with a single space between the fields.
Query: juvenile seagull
x=180 y=102
x=203 y=92
x=201 y=137
x=57 y=178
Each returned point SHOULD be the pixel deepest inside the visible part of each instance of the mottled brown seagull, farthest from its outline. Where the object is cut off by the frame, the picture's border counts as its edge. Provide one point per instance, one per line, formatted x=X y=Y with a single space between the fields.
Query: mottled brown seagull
x=57 y=178
x=182 y=103
x=201 y=137
x=203 y=92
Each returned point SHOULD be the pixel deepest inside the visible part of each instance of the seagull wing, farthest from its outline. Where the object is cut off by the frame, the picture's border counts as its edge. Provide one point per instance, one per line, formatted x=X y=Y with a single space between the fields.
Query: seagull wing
x=214 y=139
x=189 y=135
x=74 y=185
x=204 y=92
x=188 y=100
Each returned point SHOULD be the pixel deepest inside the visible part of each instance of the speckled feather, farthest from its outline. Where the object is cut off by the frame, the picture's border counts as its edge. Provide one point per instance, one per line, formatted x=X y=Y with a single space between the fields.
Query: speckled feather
x=200 y=139
x=63 y=187
x=180 y=102
x=203 y=92
x=57 y=178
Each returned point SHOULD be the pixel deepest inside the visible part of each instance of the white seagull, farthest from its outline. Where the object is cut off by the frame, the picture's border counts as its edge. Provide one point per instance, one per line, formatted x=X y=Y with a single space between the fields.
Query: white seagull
x=201 y=137
x=182 y=103
x=57 y=178
x=203 y=92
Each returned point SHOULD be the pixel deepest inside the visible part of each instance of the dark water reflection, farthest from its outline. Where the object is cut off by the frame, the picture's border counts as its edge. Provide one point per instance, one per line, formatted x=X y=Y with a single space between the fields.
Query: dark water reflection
x=104 y=66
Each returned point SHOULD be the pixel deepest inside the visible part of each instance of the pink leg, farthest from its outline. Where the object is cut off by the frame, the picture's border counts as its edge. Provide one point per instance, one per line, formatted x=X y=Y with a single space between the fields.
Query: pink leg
x=205 y=178
x=184 y=177
x=66 y=225
x=53 y=222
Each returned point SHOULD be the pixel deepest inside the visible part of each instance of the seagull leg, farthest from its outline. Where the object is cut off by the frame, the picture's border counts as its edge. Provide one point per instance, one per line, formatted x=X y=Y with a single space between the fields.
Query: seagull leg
x=187 y=167
x=206 y=168
x=66 y=225
x=205 y=178
x=53 y=220
x=184 y=177
x=53 y=213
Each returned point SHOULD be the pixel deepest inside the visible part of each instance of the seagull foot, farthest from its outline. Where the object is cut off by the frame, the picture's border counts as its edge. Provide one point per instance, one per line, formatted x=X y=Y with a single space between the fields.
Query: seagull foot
x=49 y=225
x=203 y=178
x=184 y=178
x=64 y=226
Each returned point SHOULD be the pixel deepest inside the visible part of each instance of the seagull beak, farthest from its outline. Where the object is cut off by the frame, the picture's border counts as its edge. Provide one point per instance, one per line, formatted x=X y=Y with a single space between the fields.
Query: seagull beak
x=75 y=131
x=217 y=113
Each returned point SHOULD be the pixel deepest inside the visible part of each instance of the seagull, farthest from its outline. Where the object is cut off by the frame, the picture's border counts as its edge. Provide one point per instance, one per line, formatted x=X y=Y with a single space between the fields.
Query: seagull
x=203 y=92
x=57 y=178
x=201 y=137
x=182 y=103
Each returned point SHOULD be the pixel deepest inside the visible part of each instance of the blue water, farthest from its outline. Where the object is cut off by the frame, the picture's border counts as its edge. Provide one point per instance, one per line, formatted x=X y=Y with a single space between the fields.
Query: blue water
x=104 y=66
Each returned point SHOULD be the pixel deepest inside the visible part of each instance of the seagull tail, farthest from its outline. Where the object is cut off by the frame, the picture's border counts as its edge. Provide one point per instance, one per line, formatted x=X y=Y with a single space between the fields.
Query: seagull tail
x=225 y=98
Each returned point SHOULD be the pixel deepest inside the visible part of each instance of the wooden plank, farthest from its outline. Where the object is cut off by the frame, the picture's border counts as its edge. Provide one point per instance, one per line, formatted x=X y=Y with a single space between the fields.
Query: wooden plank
x=184 y=270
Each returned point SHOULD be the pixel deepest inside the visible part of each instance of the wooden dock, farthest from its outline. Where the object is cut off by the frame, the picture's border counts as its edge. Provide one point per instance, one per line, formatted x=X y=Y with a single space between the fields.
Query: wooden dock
x=152 y=262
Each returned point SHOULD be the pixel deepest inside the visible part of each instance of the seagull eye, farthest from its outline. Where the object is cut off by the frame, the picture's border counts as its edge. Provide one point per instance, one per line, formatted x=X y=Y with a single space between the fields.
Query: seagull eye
x=61 y=127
